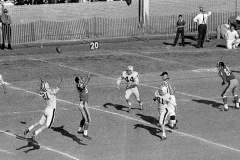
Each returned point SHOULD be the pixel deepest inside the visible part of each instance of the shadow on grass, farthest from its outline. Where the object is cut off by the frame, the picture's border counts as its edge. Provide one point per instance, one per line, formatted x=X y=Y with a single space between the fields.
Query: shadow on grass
x=191 y=38
x=148 y=119
x=221 y=46
x=212 y=103
x=166 y=43
x=67 y=134
x=33 y=145
x=152 y=130
x=119 y=107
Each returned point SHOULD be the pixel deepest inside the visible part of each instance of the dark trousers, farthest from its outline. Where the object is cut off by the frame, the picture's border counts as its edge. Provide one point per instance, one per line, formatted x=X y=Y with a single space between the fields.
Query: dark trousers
x=179 y=31
x=202 y=30
x=6 y=33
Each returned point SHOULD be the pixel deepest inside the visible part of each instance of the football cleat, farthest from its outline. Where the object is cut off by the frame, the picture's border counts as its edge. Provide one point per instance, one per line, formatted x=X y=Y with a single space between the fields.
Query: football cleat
x=80 y=132
x=26 y=132
x=163 y=138
x=236 y=107
x=129 y=109
x=175 y=125
x=225 y=109
x=87 y=137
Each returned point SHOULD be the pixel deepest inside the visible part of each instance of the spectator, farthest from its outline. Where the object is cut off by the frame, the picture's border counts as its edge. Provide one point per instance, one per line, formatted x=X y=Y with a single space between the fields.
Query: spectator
x=6 y=29
x=232 y=38
x=222 y=30
x=201 y=19
x=180 y=30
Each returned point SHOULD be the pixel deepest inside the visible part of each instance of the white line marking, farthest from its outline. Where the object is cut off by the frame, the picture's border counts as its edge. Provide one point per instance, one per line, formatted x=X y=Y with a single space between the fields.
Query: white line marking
x=45 y=147
x=181 y=133
x=159 y=59
x=5 y=113
x=205 y=70
x=6 y=151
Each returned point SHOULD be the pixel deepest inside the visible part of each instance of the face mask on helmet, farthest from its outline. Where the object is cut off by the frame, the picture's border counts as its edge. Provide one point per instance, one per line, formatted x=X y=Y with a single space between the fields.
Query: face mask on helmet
x=129 y=69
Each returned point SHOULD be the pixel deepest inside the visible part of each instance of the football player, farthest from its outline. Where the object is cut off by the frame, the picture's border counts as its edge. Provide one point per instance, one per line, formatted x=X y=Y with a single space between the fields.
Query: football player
x=81 y=85
x=164 y=101
x=227 y=76
x=132 y=79
x=171 y=91
x=3 y=84
x=49 y=95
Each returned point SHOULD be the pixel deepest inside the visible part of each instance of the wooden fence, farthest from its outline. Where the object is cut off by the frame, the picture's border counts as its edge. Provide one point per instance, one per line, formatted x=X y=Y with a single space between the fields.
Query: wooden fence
x=95 y=28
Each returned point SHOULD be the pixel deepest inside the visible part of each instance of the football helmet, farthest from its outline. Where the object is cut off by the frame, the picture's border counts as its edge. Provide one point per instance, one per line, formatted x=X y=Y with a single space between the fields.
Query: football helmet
x=129 y=69
x=220 y=64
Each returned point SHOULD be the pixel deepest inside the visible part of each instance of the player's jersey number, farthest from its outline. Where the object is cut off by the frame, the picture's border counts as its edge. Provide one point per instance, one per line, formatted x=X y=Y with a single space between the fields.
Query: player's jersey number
x=44 y=95
x=131 y=79
x=227 y=71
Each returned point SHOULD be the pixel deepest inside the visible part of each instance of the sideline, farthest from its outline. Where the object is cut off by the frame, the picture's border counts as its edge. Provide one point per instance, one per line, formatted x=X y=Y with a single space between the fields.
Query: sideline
x=130 y=118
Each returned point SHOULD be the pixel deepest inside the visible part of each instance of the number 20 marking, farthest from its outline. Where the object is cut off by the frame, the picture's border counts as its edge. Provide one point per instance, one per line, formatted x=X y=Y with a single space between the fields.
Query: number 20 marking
x=94 y=45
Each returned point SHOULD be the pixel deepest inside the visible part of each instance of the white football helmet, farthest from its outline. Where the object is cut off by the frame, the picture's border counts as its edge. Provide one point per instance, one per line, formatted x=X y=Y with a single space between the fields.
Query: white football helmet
x=129 y=69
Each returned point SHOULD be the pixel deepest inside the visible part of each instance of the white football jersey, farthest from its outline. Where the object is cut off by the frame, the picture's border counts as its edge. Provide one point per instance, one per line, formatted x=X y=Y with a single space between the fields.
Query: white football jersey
x=50 y=97
x=132 y=79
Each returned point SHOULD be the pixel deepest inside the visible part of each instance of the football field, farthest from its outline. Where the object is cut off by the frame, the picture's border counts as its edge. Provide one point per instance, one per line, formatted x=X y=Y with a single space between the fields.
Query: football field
x=204 y=131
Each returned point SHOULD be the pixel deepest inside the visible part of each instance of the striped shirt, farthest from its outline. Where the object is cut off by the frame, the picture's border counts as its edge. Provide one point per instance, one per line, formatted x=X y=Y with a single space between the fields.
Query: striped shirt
x=170 y=88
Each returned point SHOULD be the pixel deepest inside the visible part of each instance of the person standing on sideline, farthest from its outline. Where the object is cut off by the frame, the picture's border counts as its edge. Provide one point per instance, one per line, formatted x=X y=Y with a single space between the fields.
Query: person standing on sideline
x=180 y=30
x=227 y=76
x=201 y=19
x=3 y=84
x=6 y=29
x=232 y=38
x=81 y=85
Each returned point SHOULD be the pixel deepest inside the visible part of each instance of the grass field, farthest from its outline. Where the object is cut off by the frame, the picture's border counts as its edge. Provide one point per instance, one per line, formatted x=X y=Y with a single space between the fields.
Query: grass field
x=205 y=133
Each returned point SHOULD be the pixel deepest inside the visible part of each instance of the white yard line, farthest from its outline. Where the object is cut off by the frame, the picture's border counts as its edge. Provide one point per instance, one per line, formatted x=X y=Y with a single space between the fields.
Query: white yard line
x=44 y=147
x=160 y=59
x=130 y=118
x=6 y=151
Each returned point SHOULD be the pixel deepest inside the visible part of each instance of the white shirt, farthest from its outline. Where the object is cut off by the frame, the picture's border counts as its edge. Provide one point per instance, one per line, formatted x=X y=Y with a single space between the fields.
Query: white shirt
x=231 y=35
x=1 y=80
x=199 y=18
x=131 y=79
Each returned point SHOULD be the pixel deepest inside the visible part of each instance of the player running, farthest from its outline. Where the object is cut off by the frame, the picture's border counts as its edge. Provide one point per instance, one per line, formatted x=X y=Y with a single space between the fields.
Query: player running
x=165 y=102
x=132 y=79
x=81 y=85
x=227 y=76
x=49 y=95
x=171 y=91
x=3 y=84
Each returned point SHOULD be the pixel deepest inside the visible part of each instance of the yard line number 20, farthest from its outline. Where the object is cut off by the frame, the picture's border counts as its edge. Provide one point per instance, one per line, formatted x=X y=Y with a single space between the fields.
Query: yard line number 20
x=94 y=45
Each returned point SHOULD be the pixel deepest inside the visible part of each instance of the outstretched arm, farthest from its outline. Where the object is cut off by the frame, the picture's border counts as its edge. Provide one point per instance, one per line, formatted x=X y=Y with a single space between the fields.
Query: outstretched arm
x=87 y=80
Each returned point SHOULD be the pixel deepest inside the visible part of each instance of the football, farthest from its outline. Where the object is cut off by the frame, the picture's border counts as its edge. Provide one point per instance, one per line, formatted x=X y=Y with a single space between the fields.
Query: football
x=58 y=49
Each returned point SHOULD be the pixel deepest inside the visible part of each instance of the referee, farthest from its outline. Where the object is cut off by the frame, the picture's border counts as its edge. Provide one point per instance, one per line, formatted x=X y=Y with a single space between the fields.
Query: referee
x=6 y=29
x=201 y=19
